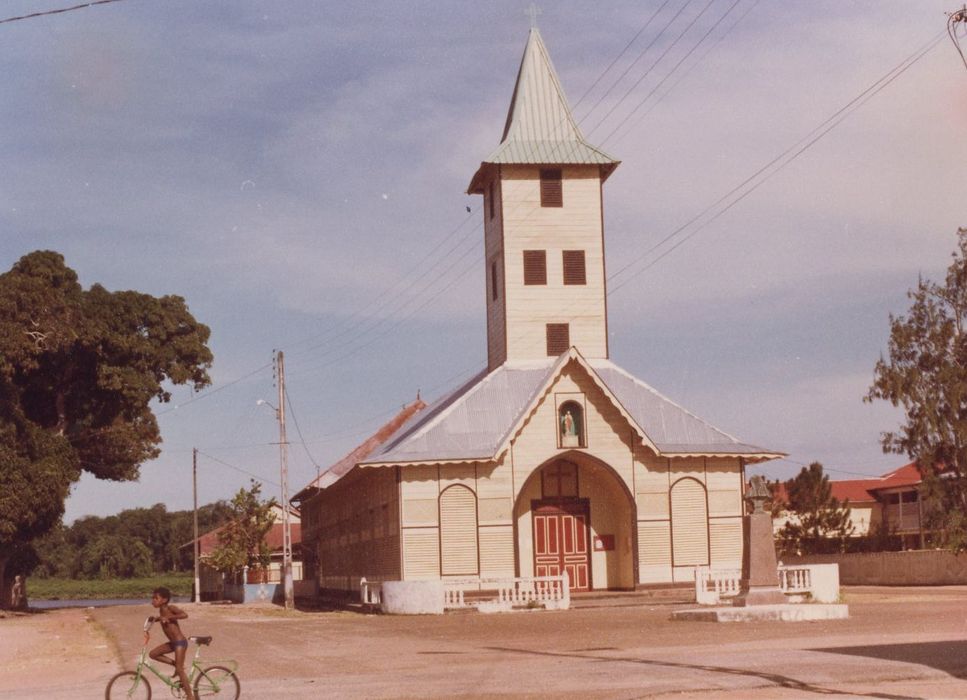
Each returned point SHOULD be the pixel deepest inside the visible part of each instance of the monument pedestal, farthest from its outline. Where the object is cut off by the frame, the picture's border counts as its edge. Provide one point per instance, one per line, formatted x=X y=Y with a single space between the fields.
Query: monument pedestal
x=760 y=574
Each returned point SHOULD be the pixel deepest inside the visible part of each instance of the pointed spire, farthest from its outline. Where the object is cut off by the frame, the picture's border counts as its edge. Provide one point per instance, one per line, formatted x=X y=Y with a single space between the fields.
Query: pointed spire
x=540 y=129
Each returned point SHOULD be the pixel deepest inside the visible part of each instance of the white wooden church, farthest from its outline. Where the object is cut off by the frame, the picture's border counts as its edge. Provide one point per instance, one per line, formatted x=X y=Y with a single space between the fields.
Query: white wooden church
x=553 y=458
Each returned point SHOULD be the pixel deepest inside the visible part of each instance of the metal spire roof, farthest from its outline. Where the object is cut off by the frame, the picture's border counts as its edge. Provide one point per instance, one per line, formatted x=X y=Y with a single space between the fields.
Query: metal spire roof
x=540 y=129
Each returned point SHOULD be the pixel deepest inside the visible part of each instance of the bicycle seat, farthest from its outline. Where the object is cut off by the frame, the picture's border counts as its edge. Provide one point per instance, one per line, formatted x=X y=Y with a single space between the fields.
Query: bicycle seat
x=201 y=640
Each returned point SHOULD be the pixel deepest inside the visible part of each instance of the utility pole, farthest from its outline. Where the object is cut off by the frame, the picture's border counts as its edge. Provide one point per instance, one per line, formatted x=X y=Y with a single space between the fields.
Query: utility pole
x=284 y=468
x=197 y=544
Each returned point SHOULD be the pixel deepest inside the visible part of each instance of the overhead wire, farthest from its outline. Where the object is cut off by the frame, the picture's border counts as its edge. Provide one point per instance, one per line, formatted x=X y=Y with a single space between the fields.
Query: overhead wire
x=239 y=469
x=675 y=67
x=641 y=54
x=622 y=53
x=654 y=63
x=780 y=162
x=684 y=74
x=960 y=16
x=44 y=13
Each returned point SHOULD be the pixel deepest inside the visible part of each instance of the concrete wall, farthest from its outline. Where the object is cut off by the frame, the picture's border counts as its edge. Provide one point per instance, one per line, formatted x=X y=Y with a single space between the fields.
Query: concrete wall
x=927 y=567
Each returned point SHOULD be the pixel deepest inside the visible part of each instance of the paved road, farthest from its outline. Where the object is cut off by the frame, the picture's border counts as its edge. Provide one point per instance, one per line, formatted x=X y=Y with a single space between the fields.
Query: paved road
x=898 y=643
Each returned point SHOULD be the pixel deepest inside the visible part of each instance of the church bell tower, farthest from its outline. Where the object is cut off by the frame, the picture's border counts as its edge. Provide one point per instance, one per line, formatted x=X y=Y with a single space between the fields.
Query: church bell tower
x=543 y=225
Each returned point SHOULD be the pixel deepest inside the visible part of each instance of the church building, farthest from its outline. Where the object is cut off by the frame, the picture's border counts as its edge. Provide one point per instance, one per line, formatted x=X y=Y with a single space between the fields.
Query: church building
x=553 y=458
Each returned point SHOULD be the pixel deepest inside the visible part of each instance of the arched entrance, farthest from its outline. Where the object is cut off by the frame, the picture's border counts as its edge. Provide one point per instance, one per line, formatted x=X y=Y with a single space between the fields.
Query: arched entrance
x=575 y=514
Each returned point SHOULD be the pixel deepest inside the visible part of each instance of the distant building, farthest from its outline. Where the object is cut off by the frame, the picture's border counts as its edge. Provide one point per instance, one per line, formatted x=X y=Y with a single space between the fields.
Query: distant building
x=212 y=581
x=553 y=458
x=890 y=502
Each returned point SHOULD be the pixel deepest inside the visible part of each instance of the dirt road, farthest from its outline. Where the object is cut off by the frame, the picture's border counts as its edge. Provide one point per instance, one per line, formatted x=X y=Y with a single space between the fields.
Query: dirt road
x=907 y=643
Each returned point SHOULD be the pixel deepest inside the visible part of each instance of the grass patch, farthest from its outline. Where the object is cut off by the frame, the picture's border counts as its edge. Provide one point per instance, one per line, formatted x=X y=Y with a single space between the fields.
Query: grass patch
x=74 y=589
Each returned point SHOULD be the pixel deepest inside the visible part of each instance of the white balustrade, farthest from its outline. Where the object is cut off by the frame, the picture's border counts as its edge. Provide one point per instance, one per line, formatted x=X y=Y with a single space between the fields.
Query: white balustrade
x=369 y=592
x=819 y=582
x=493 y=594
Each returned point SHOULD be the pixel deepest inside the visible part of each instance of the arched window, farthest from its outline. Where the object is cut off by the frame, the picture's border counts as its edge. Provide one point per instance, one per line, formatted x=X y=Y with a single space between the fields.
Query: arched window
x=458 y=532
x=689 y=523
x=570 y=425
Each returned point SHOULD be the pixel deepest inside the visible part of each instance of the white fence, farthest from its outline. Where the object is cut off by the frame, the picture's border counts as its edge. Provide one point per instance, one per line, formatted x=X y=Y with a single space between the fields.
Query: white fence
x=818 y=582
x=370 y=592
x=490 y=594
x=497 y=594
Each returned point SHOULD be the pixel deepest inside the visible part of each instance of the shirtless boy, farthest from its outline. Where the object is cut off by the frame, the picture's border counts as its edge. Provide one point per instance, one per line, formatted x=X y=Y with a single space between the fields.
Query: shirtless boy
x=168 y=615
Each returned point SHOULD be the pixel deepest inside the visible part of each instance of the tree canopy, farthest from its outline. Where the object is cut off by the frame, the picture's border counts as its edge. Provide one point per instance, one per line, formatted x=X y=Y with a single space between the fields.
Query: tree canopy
x=78 y=372
x=925 y=374
x=136 y=541
x=241 y=542
x=820 y=522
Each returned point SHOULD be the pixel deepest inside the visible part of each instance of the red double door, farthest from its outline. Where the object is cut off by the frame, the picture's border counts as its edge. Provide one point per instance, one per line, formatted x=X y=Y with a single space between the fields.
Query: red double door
x=561 y=542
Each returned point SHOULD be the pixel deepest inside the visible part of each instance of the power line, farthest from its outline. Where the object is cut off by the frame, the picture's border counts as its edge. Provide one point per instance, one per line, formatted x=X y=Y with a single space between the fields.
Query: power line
x=960 y=16
x=790 y=154
x=676 y=66
x=618 y=57
x=45 y=13
x=658 y=60
x=238 y=469
x=206 y=394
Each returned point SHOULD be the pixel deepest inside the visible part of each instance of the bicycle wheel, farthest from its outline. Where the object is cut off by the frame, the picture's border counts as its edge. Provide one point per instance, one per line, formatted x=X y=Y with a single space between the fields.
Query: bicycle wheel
x=127 y=685
x=217 y=681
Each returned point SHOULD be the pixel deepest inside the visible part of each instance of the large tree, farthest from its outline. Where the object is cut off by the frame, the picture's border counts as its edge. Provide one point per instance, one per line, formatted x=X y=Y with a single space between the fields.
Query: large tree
x=78 y=372
x=926 y=375
x=820 y=522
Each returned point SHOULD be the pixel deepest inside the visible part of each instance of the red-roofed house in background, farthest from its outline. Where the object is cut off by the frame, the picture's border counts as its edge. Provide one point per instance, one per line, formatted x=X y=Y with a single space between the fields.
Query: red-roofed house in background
x=891 y=501
x=211 y=581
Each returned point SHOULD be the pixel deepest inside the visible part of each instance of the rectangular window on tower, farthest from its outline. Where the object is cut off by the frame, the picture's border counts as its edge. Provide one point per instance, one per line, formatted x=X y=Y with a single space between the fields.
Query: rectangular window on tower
x=535 y=267
x=574 y=272
x=493 y=280
x=558 y=338
x=552 y=194
x=491 y=199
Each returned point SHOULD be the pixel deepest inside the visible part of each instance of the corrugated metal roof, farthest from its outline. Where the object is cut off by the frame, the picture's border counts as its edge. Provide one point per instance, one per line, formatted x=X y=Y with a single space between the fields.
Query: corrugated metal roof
x=472 y=422
x=468 y=423
x=540 y=129
x=363 y=450
x=672 y=429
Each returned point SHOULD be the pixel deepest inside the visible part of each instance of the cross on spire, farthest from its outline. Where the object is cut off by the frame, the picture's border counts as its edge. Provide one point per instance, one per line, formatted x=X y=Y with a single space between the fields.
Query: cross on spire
x=533 y=11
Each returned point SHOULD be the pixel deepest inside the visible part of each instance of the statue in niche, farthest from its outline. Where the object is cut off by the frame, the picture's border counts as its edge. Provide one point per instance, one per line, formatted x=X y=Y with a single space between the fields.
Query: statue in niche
x=570 y=427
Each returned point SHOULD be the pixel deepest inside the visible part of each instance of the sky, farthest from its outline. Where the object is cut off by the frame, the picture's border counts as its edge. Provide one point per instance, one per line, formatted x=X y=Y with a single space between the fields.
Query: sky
x=297 y=172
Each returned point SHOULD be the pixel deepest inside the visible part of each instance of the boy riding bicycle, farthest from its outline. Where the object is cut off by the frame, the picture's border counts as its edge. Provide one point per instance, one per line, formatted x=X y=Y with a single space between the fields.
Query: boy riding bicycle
x=168 y=615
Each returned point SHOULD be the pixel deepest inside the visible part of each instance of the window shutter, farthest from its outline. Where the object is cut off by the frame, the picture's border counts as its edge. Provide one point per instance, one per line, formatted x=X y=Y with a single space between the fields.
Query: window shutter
x=558 y=338
x=458 y=532
x=535 y=267
x=552 y=194
x=689 y=524
x=574 y=270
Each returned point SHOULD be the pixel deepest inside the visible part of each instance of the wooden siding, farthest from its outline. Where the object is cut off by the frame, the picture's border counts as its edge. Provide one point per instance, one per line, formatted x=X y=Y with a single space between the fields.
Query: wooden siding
x=725 y=542
x=497 y=551
x=654 y=552
x=421 y=553
x=458 y=532
x=355 y=530
x=574 y=226
x=496 y=308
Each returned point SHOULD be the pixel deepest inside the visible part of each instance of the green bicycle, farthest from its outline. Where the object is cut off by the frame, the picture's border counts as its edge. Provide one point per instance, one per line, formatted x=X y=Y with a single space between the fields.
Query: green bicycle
x=207 y=682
